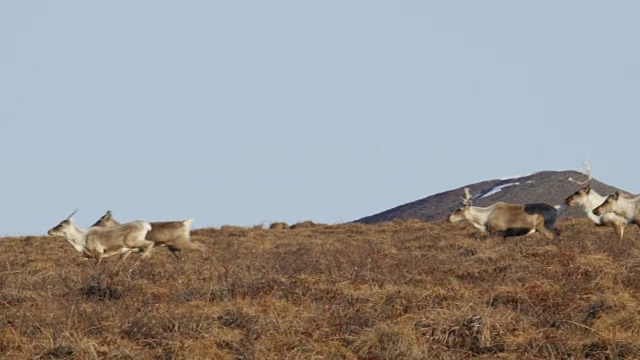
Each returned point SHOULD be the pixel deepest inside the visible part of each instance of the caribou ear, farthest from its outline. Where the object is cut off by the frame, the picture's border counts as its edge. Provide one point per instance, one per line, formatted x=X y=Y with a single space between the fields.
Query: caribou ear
x=108 y=214
x=616 y=195
x=587 y=190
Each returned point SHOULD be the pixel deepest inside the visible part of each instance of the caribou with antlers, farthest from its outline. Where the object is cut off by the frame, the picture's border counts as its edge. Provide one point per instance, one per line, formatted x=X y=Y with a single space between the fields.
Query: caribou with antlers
x=98 y=242
x=589 y=199
x=508 y=219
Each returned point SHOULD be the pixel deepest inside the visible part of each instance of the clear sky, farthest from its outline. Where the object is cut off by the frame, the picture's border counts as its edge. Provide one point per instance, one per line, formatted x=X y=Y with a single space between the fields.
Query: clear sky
x=249 y=112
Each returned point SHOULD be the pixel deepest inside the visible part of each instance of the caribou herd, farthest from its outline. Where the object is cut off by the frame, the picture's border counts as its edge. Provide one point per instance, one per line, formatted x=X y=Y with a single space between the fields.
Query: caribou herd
x=615 y=210
x=108 y=237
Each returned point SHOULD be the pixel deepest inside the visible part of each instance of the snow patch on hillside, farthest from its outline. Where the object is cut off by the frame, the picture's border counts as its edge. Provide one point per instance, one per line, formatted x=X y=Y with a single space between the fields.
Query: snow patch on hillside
x=517 y=176
x=501 y=185
x=497 y=189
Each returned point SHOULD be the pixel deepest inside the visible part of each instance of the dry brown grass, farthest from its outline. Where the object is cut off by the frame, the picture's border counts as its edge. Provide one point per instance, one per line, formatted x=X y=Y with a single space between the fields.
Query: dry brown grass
x=409 y=290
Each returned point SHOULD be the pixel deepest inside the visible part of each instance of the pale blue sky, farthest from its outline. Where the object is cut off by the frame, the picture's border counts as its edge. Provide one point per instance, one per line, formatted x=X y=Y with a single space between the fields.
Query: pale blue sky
x=249 y=112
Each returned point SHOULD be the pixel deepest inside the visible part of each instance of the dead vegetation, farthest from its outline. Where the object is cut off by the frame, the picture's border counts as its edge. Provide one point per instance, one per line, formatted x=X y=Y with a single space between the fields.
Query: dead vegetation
x=403 y=289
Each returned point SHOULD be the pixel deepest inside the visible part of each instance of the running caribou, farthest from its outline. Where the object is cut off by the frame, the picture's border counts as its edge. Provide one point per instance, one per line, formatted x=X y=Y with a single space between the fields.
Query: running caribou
x=175 y=235
x=589 y=199
x=627 y=207
x=100 y=242
x=508 y=219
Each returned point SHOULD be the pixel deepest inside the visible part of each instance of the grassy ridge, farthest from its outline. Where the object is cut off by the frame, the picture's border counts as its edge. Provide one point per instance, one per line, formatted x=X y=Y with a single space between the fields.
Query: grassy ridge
x=404 y=289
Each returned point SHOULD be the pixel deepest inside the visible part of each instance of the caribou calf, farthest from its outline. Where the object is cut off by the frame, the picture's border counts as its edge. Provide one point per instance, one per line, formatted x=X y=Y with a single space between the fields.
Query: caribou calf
x=509 y=219
x=175 y=235
x=626 y=207
x=100 y=242
x=589 y=199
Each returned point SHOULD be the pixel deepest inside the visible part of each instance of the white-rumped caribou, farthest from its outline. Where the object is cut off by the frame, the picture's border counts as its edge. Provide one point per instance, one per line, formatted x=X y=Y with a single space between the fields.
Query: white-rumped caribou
x=509 y=219
x=589 y=199
x=627 y=207
x=175 y=235
x=98 y=242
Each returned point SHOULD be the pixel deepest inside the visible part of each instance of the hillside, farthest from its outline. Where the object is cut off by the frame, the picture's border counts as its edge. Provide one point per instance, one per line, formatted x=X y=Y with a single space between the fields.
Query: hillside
x=546 y=186
x=402 y=289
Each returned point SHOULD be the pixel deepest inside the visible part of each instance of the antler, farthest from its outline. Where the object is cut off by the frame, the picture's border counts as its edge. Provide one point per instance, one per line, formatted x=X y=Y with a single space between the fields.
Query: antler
x=73 y=213
x=466 y=200
x=588 y=172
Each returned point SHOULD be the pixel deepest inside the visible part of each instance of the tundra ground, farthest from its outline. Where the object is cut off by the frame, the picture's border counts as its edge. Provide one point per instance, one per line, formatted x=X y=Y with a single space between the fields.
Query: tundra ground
x=404 y=289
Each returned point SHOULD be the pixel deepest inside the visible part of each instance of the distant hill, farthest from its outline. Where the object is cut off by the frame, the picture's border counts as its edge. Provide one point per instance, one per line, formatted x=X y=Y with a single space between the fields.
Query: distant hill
x=551 y=187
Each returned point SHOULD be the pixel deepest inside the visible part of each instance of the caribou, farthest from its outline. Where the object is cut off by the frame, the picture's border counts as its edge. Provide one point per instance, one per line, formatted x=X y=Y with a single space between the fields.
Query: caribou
x=589 y=199
x=99 y=243
x=508 y=219
x=174 y=235
x=627 y=207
